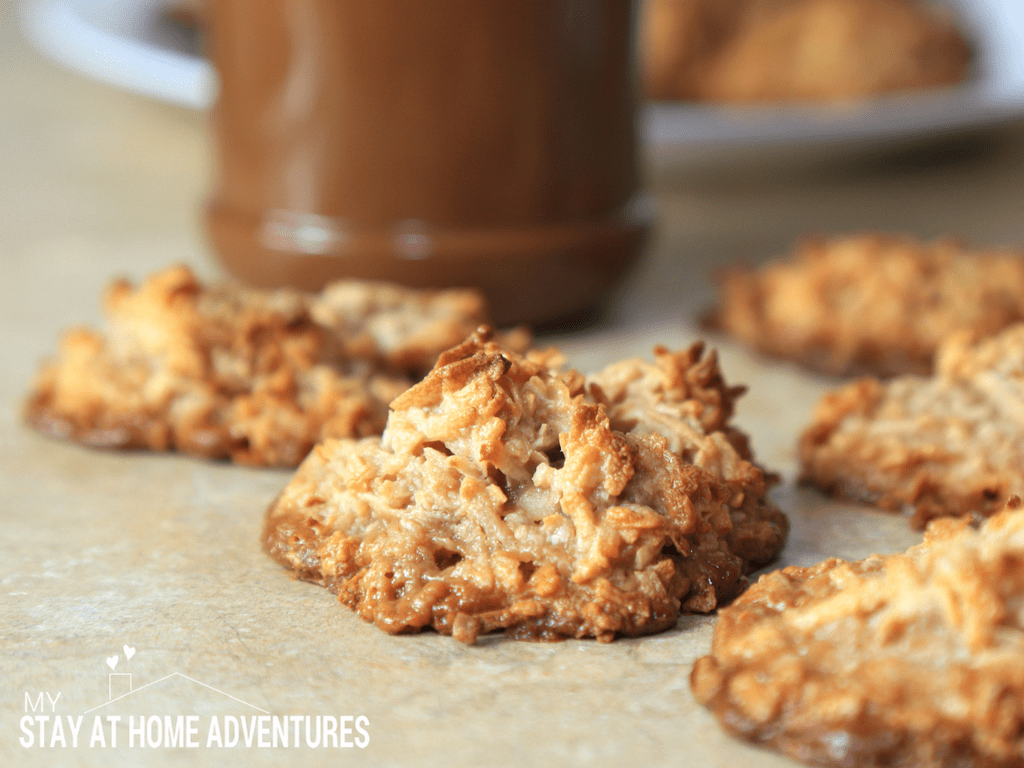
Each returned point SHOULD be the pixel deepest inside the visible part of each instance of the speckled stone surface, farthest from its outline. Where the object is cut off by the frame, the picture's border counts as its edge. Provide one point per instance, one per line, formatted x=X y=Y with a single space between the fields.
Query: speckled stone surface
x=160 y=553
x=105 y=556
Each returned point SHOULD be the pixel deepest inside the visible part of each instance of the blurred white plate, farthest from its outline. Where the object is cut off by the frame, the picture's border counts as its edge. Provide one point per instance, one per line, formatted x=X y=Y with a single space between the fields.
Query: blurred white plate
x=132 y=45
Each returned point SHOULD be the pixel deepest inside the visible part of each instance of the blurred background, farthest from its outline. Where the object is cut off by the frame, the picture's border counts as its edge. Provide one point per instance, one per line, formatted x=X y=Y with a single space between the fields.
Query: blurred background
x=107 y=158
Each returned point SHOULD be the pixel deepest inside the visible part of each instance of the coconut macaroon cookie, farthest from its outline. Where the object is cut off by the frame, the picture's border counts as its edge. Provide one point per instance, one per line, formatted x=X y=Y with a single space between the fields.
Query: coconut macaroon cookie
x=948 y=444
x=877 y=304
x=506 y=494
x=797 y=50
x=257 y=376
x=914 y=659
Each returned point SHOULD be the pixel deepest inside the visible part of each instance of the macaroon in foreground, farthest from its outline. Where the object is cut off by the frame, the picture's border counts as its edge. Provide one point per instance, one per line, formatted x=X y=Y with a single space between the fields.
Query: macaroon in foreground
x=507 y=494
x=909 y=660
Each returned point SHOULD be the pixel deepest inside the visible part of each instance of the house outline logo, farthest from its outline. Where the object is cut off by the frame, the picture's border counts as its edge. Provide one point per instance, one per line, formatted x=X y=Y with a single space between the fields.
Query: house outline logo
x=141 y=688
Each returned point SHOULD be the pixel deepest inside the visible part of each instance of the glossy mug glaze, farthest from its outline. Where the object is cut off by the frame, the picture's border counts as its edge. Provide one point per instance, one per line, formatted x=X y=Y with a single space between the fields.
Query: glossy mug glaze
x=430 y=142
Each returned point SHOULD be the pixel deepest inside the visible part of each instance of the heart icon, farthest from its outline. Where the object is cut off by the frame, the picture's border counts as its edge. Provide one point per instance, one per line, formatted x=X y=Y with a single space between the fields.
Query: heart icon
x=128 y=652
x=112 y=661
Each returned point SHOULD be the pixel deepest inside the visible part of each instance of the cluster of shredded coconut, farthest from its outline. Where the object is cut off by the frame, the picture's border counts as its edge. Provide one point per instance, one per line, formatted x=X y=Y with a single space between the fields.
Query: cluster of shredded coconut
x=797 y=50
x=949 y=444
x=257 y=376
x=506 y=494
x=877 y=304
x=914 y=659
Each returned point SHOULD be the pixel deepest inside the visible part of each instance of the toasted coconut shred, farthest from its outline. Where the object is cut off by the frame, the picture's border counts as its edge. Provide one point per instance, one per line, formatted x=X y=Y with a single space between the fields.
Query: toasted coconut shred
x=506 y=494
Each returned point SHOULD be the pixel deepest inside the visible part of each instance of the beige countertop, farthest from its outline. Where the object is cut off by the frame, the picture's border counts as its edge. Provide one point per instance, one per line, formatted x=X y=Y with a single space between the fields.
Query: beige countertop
x=160 y=553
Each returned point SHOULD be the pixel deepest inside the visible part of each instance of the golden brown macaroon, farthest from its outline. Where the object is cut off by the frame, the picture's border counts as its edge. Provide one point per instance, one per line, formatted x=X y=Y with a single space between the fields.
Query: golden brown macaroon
x=679 y=40
x=256 y=376
x=912 y=660
x=874 y=303
x=506 y=494
x=949 y=444
x=797 y=50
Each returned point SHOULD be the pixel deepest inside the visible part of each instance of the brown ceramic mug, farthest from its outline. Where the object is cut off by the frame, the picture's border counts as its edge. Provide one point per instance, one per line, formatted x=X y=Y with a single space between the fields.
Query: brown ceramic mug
x=487 y=143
